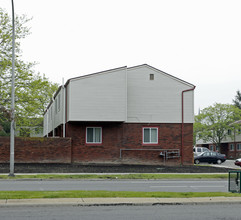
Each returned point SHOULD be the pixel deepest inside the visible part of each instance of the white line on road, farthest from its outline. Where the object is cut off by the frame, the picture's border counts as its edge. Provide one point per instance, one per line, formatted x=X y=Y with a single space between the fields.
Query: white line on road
x=187 y=186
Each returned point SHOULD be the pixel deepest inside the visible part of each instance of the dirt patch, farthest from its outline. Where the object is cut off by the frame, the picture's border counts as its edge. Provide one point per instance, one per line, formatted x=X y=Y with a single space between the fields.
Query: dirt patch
x=107 y=168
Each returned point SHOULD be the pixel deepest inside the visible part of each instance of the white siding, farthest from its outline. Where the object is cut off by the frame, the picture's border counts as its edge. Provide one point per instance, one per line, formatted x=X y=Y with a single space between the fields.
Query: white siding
x=158 y=100
x=58 y=108
x=98 y=97
x=125 y=95
x=45 y=131
x=226 y=140
x=53 y=117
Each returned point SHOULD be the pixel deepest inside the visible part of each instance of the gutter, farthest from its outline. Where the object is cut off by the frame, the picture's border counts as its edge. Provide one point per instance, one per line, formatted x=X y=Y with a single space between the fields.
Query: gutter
x=182 y=129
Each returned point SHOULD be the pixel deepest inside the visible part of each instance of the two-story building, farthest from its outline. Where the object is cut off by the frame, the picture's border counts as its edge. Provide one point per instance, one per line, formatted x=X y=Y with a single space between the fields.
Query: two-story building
x=136 y=115
x=230 y=145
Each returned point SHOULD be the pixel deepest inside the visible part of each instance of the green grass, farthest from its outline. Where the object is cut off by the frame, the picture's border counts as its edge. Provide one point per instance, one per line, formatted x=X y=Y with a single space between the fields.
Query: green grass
x=118 y=176
x=109 y=194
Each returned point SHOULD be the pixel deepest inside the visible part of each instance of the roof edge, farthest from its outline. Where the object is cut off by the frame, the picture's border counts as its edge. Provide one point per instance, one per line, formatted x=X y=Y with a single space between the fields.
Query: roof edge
x=174 y=77
x=92 y=74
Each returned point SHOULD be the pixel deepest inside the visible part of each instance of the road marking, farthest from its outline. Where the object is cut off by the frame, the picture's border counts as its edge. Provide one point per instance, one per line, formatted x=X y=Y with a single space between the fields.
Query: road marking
x=187 y=186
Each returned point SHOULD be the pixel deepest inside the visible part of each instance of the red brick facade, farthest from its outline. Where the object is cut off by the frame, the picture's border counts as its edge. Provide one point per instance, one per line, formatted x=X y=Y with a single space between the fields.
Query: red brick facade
x=122 y=143
x=231 y=150
x=37 y=150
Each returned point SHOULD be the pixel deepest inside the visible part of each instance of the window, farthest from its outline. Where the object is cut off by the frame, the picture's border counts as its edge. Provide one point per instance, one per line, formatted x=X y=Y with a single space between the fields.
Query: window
x=151 y=76
x=94 y=135
x=150 y=135
x=231 y=147
x=239 y=131
x=211 y=147
x=239 y=147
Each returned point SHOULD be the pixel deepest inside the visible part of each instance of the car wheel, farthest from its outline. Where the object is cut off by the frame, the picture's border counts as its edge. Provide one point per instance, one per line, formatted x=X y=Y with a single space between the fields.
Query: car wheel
x=196 y=161
x=219 y=161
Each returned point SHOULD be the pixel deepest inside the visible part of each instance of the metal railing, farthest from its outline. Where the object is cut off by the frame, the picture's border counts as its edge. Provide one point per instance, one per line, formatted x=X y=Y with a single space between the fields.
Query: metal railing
x=234 y=179
x=164 y=153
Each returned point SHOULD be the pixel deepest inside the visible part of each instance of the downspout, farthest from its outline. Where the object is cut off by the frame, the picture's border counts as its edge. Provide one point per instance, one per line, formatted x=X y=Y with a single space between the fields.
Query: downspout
x=53 y=117
x=47 y=123
x=64 y=104
x=66 y=117
x=182 y=129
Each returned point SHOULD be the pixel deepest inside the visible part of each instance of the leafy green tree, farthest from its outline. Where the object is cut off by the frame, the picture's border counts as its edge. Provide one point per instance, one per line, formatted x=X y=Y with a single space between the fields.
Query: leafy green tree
x=237 y=100
x=4 y=122
x=32 y=91
x=214 y=123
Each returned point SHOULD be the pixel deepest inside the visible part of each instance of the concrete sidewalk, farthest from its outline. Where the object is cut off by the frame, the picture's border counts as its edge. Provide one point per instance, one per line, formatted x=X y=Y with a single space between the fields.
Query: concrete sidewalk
x=118 y=201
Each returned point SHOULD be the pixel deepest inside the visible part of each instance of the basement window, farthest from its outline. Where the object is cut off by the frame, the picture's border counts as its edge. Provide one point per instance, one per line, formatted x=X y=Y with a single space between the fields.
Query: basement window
x=93 y=135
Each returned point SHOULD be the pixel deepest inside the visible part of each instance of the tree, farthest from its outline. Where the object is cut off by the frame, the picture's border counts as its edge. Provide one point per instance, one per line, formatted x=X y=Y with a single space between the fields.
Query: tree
x=4 y=122
x=237 y=100
x=32 y=91
x=214 y=123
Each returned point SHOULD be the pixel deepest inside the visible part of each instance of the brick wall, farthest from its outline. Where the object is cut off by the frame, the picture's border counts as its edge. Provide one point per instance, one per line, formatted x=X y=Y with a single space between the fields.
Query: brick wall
x=121 y=144
x=128 y=137
x=37 y=150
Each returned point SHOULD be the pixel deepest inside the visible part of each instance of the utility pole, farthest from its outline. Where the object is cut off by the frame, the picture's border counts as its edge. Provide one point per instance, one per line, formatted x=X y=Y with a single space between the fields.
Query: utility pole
x=12 y=98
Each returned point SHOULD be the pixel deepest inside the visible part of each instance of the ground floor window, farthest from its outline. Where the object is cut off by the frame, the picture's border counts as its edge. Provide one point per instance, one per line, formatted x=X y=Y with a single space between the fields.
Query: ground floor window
x=94 y=135
x=150 y=135
x=211 y=148
x=239 y=146
x=231 y=147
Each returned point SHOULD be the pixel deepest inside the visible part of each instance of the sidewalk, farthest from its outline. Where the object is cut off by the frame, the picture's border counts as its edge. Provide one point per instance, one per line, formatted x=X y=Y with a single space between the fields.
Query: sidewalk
x=118 y=201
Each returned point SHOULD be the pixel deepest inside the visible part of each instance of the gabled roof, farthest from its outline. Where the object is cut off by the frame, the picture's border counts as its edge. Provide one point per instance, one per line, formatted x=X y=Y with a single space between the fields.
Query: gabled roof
x=116 y=69
x=160 y=71
x=94 y=74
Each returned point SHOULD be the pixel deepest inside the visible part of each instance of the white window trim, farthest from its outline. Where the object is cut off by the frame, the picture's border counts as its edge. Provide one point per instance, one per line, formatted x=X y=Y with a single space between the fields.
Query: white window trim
x=86 y=141
x=146 y=143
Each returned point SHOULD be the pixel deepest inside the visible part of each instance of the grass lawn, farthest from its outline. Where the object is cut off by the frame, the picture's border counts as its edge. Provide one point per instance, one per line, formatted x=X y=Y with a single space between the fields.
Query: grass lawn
x=109 y=194
x=117 y=176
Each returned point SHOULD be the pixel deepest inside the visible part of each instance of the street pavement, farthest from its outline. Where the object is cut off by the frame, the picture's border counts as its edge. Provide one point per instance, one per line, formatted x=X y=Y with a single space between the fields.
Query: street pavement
x=227 y=164
x=119 y=201
x=125 y=201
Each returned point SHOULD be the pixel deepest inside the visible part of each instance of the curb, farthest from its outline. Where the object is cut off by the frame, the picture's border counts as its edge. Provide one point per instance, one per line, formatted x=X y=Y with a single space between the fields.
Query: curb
x=119 y=201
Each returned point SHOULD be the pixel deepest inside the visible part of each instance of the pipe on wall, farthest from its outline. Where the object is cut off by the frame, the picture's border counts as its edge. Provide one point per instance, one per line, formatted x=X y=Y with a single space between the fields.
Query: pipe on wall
x=182 y=129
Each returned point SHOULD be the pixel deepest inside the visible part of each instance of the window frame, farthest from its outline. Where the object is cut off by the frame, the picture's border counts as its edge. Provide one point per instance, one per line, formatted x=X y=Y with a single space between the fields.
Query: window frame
x=238 y=146
x=94 y=142
x=157 y=135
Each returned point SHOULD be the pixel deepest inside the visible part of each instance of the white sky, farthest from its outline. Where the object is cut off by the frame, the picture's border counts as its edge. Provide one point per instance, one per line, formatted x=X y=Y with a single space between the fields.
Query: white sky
x=198 y=41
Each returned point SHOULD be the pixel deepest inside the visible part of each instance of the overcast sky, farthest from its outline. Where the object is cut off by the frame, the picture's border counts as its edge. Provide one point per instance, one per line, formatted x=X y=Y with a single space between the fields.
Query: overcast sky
x=198 y=41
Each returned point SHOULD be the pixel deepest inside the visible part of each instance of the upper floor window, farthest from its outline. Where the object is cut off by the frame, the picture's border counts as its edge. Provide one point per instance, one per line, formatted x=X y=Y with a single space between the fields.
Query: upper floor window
x=94 y=135
x=151 y=76
x=150 y=135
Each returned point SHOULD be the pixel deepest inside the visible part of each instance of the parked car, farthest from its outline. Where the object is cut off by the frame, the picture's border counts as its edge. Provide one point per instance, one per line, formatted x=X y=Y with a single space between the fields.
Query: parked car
x=210 y=157
x=238 y=162
x=198 y=150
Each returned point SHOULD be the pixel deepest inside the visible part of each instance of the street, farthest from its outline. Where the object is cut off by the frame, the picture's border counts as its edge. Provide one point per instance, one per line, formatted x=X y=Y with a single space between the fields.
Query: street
x=167 y=212
x=116 y=185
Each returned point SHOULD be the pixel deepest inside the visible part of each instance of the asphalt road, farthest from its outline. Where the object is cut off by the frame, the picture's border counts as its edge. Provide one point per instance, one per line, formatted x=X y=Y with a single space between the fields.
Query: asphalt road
x=167 y=212
x=228 y=164
x=116 y=185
